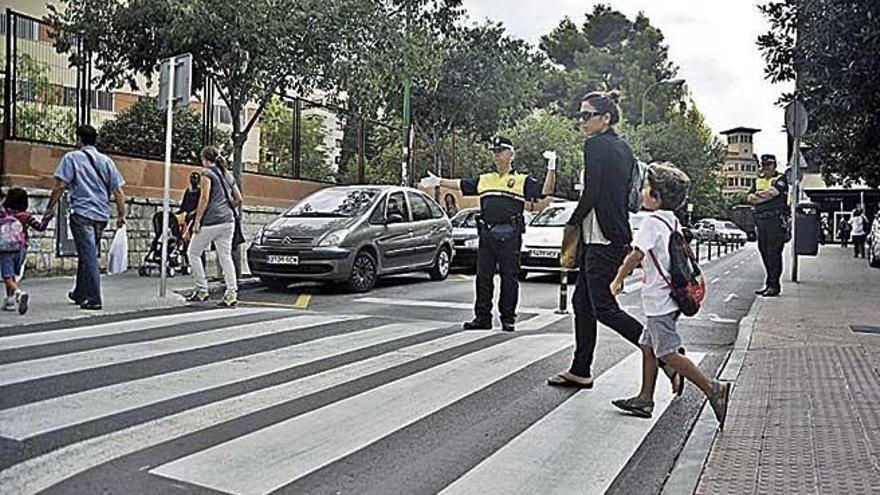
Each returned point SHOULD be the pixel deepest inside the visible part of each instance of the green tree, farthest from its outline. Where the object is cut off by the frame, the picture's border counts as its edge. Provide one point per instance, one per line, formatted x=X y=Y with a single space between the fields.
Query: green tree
x=830 y=48
x=276 y=148
x=39 y=113
x=250 y=48
x=140 y=130
x=609 y=52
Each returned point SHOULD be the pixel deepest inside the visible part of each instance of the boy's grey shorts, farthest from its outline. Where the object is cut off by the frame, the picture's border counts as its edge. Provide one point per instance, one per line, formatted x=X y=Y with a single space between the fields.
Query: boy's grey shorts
x=660 y=334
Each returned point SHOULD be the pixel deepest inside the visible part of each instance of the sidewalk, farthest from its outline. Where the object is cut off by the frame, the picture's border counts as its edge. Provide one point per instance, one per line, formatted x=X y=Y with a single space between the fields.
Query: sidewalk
x=804 y=416
x=123 y=293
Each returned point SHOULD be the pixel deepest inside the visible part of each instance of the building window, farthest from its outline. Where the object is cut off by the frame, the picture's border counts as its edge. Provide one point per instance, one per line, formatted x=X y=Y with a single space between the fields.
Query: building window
x=222 y=115
x=25 y=28
x=101 y=100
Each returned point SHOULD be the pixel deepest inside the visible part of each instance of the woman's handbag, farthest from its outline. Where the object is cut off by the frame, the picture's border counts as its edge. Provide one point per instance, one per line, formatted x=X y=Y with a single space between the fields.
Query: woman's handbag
x=569 y=256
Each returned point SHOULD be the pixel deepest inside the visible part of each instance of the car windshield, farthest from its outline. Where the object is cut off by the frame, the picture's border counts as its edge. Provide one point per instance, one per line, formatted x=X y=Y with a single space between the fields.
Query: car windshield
x=730 y=225
x=465 y=220
x=335 y=203
x=553 y=216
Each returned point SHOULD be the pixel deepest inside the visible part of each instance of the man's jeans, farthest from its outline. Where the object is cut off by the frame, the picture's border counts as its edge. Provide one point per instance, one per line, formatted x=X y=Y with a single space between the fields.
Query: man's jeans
x=87 y=237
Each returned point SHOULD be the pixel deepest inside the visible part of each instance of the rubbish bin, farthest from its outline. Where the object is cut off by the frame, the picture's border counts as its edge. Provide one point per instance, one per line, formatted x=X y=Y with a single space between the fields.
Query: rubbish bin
x=806 y=238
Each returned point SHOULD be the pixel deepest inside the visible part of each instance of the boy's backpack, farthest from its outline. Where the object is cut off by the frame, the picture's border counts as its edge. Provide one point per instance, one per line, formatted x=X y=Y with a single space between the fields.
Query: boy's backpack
x=685 y=279
x=636 y=181
x=11 y=232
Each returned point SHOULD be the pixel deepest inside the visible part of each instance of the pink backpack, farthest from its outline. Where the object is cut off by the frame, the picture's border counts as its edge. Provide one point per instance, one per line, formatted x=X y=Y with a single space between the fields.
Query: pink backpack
x=12 y=237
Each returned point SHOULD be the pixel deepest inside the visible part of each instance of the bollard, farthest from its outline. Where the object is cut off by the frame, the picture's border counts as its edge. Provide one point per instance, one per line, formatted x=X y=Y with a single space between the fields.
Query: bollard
x=726 y=250
x=709 y=246
x=563 y=293
x=698 y=250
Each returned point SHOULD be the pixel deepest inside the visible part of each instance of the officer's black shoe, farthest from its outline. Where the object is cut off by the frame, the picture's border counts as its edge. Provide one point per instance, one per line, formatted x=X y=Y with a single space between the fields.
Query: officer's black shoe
x=762 y=291
x=772 y=292
x=508 y=327
x=477 y=325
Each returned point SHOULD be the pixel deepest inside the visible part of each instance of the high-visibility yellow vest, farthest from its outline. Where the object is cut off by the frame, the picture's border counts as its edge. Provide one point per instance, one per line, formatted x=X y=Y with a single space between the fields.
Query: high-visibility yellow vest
x=511 y=185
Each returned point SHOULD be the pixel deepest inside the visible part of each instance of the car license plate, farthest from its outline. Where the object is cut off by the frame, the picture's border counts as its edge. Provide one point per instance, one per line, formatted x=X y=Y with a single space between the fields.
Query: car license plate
x=283 y=259
x=545 y=253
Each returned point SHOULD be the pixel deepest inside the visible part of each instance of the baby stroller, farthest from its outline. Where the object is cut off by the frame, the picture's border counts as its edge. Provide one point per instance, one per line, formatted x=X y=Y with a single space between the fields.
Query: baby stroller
x=177 y=260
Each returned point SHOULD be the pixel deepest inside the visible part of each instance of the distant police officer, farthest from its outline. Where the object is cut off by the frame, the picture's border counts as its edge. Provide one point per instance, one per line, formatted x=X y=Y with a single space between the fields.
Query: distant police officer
x=503 y=194
x=769 y=198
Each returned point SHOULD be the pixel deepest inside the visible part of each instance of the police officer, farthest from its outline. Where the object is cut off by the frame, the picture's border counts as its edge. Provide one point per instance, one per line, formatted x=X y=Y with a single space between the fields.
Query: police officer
x=503 y=194
x=768 y=197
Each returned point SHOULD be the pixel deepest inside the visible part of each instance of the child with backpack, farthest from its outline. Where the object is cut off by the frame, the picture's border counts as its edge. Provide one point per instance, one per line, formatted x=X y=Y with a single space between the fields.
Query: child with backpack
x=673 y=285
x=14 y=224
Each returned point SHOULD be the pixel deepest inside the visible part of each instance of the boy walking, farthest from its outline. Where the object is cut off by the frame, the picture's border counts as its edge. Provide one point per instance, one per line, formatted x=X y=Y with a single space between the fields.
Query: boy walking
x=665 y=191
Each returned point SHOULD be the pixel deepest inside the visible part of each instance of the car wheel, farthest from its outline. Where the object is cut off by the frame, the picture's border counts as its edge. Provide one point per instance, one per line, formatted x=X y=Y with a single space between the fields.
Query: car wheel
x=363 y=273
x=274 y=283
x=440 y=270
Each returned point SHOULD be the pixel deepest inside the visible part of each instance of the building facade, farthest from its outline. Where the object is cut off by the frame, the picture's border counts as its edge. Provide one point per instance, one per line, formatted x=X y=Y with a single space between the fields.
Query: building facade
x=739 y=171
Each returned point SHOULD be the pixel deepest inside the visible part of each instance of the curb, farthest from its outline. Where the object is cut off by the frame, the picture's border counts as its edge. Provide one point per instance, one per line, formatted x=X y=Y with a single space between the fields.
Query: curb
x=217 y=289
x=688 y=468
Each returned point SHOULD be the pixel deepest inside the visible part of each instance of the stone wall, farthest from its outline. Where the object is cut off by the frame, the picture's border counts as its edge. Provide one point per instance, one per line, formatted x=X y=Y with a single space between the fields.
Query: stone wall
x=42 y=259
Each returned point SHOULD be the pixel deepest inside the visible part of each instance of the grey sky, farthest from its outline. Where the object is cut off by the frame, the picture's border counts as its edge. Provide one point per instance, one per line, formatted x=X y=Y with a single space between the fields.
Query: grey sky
x=711 y=41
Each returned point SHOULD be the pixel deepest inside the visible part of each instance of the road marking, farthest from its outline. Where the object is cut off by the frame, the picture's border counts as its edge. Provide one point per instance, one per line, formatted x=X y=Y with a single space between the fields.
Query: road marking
x=714 y=280
x=551 y=457
x=727 y=272
x=302 y=302
x=39 y=473
x=266 y=304
x=23 y=371
x=105 y=329
x=272 y=457
x=29 y=420
x=540 y=321
x=717 y=319
x=437 y=304
x=730 y=297
x=464 y=278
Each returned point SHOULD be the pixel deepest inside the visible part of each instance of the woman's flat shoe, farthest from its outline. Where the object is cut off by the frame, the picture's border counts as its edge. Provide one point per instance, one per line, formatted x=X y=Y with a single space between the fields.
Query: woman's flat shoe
x=561 y=381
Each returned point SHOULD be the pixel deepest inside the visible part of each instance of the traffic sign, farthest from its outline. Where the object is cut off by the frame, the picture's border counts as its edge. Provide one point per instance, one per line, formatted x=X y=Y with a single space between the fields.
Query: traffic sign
x=182 y=81
x=796 y=119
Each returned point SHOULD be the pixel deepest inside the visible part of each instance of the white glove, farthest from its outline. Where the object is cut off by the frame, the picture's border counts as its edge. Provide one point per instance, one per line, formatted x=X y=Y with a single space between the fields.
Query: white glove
x=430 y=181
x=551 y=158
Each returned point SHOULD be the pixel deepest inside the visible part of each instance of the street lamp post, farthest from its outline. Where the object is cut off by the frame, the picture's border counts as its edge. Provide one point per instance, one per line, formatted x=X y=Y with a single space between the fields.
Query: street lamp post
x=675 y=82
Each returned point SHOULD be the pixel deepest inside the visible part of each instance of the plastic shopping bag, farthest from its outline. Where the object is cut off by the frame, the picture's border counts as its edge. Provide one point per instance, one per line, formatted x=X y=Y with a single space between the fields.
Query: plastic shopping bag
x=117 y=256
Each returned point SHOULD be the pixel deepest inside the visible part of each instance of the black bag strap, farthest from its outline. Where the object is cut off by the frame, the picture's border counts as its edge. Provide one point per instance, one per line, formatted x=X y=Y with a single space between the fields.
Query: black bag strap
x=98 y=173
x=226 y=193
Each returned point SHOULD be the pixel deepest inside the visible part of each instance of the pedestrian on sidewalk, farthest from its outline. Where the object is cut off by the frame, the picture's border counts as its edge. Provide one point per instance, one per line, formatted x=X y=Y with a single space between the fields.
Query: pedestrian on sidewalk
x=665 y=192
x=859 y=227
x=604 y=219
x=843 y=231
x=215 y=222
x=15 y=208
x=92 y=181
x=768 y=197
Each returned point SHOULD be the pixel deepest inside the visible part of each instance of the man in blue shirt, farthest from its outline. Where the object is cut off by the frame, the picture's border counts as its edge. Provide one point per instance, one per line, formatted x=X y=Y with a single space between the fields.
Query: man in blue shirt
x=92 y=181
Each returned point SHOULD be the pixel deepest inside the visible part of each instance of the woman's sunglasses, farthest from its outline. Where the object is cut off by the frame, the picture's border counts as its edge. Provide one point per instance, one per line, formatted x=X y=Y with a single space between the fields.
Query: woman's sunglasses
x=585 y=116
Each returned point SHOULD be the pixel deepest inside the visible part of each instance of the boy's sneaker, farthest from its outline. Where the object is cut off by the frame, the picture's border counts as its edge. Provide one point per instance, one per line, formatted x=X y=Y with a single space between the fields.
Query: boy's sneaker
x=9 y=303
x=719 y=397
x=198 y=295
x=230 y=299
x=635 y=406
x=23 y=299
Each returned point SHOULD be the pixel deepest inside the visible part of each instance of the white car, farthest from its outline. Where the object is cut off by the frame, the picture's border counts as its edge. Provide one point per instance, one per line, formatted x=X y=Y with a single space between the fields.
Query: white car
x=465 y=238
x=710 y=229
x=542 y=241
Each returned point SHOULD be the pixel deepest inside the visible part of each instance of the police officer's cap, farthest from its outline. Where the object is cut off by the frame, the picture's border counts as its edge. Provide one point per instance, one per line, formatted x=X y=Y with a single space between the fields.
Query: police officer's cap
x=768 y=159
x=499 y=143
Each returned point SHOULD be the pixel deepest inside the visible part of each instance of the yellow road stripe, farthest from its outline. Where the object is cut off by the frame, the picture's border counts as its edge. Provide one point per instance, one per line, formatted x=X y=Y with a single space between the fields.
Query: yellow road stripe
x=302 y=302
x=268 y=304
x=464 y=278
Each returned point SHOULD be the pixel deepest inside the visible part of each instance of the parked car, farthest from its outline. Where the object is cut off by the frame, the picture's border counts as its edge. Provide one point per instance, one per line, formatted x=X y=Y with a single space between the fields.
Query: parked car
x=874 y=243
x=543 y=238
x=465 y=238
x=710 y=229
x=353 y=235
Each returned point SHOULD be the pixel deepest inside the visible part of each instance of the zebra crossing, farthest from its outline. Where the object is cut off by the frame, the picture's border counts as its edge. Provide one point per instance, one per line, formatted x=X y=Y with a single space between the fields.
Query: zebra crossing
x=259 y=401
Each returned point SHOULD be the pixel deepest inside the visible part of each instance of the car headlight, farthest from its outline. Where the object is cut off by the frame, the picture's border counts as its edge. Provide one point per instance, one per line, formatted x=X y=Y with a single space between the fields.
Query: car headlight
x=334 y=238
x=261 y=236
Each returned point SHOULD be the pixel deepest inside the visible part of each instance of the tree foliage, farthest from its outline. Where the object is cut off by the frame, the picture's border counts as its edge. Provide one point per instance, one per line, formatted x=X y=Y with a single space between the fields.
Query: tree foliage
x=607 y=52
x=276 y=147
x=140 y=130
x=39 y=113
x=830 y=48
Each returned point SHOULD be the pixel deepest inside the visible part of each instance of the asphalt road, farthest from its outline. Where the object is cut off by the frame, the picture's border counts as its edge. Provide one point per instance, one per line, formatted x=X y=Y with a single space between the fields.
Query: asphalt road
x=309 y=390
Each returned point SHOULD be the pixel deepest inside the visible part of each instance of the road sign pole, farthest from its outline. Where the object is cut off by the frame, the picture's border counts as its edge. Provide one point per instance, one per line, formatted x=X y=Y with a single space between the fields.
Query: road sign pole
x=166 y=188
x=796 y=121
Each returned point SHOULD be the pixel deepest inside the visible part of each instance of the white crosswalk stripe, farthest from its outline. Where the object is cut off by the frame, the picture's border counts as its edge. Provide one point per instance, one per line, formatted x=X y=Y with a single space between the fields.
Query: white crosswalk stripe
x=379 y=376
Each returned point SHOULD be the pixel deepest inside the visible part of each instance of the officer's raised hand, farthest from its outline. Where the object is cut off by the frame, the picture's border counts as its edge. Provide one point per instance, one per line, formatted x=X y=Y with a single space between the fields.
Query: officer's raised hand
x=430 y=181
x=551 y=158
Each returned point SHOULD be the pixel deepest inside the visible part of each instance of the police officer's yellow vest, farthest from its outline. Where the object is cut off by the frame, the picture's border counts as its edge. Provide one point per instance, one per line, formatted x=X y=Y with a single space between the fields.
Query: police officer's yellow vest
x=763 y=184
x=511 y=185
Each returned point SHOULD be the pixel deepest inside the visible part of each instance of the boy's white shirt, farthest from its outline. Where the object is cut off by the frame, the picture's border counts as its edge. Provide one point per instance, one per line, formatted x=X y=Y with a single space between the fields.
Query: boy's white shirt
x=653 y=235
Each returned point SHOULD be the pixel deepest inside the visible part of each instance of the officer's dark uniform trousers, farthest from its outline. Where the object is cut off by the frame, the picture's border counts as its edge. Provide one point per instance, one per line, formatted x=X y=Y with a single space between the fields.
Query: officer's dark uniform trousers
x=771 y=241
x=502 y=257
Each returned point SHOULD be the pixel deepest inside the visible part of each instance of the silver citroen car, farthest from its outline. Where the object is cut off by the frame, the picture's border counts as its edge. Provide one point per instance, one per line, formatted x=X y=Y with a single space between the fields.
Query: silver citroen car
x=353 y=235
